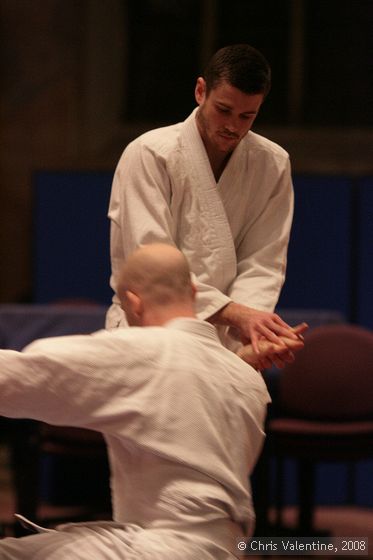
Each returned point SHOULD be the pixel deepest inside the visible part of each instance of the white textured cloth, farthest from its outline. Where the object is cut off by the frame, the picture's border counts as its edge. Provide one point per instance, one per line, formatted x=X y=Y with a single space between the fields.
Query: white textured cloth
x=234 y=233
x=183 y=419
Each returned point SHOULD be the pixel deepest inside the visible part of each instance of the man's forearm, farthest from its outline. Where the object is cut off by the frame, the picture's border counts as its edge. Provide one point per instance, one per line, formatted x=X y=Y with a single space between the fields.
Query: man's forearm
x=229 y=315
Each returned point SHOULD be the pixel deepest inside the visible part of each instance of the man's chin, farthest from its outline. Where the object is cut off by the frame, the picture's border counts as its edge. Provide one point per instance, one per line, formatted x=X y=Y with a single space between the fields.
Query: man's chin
x=226 y=144
x=227 y=148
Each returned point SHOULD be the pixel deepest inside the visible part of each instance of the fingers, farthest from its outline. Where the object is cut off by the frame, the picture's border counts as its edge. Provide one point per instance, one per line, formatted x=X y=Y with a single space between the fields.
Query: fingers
x=274 y=328
x=289 y=343
x=264 y=333
x=262 y=358
x=278 y=362
x=272 y=336
x=292 y=337
x=255 y=342
x=270 y=353
x=247 y=353
x=264 y=363
x=300 y=329
x=282 y=340
x=281 y=328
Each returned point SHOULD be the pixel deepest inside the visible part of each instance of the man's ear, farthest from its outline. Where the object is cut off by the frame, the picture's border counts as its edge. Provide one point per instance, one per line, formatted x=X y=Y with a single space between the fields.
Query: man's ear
x=200 y=90
x=194 y=291
x=134 y=303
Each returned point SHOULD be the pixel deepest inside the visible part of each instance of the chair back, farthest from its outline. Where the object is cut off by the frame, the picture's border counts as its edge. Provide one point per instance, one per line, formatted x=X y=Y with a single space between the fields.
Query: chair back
x=332 y=376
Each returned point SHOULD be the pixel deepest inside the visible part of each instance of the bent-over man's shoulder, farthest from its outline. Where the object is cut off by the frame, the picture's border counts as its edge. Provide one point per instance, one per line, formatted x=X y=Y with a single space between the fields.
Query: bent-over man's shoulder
x=161 y=141
x=265 y=146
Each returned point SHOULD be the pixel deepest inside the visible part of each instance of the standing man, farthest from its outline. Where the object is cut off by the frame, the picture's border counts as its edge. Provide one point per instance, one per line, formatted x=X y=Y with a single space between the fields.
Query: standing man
x=182 y=416
x=220 y=193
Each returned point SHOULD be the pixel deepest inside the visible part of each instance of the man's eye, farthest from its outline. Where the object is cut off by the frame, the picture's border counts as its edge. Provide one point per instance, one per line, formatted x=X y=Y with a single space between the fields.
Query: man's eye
x=223 y=110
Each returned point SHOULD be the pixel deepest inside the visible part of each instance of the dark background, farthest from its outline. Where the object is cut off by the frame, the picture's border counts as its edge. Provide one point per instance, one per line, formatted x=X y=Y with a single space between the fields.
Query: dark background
x=81 y=78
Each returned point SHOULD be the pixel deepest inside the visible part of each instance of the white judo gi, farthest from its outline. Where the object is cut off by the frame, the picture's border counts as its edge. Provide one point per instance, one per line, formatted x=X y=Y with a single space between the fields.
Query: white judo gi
x=234 y=233
x=183 y=420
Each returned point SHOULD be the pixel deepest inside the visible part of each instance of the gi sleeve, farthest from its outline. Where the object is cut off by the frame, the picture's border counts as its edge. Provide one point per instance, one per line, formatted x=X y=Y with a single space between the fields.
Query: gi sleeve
x=70 y=381
x=262 y=252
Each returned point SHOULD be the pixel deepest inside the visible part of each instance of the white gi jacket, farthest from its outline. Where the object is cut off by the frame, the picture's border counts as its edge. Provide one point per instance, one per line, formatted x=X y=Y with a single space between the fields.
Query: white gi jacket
x=234 y=233
x=183 y=419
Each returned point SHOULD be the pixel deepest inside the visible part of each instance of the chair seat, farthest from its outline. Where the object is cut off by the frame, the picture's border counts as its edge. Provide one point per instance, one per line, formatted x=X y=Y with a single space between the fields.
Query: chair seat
x=63 y=440
x=307 y=427
x=328 y=441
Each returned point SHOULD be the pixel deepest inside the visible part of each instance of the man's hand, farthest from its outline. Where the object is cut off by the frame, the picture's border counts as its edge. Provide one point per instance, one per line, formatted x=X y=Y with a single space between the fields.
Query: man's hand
x=271 y=353
x=254 y=325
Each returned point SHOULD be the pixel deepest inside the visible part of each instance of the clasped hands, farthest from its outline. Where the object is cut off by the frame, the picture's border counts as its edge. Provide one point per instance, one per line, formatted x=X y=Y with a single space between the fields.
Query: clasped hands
x=266 y=338
x=270 y=353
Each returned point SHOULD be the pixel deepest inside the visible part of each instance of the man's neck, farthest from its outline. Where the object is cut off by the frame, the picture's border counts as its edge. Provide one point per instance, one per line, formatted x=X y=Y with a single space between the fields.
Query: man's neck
x=218 y=163
x=162 y=315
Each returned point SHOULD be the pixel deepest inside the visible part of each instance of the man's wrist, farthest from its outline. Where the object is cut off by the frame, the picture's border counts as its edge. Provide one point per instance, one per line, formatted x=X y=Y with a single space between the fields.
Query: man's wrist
x=230 y=315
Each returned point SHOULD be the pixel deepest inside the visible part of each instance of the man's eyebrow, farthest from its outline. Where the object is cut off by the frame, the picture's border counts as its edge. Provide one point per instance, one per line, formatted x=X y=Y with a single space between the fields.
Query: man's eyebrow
x=223 y=104
x=227 y=106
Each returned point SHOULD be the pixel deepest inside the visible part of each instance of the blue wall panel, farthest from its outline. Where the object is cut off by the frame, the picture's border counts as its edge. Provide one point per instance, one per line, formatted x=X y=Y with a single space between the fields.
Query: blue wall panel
x=318 y=274
x=365 y=268
x=71 y=236
x=330 y=263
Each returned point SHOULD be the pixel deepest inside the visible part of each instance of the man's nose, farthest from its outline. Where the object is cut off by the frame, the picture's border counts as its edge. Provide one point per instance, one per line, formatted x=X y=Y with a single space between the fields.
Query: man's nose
x=232 y=124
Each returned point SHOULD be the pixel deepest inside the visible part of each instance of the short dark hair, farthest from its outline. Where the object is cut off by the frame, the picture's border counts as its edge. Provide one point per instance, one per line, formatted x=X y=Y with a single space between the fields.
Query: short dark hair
x=242 y=66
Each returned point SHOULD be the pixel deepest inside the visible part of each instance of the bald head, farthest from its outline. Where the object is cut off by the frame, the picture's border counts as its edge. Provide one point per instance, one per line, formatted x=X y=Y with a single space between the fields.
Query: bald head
x=157 y=276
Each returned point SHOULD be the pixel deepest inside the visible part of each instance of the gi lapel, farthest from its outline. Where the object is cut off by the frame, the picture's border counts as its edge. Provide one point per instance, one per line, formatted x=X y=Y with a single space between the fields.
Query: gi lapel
x=214 y=230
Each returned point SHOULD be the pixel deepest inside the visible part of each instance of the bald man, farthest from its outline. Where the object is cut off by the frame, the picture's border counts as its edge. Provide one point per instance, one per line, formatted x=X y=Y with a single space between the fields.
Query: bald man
x=182 y=416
